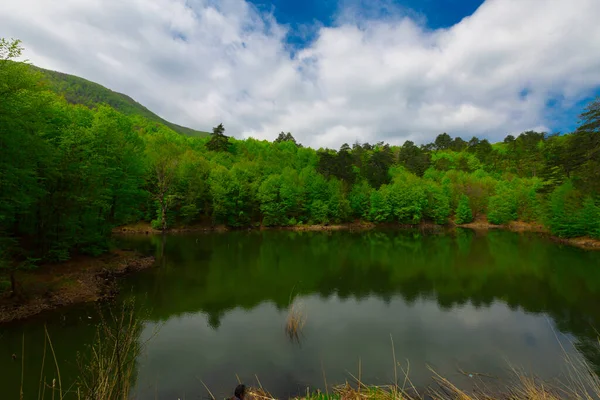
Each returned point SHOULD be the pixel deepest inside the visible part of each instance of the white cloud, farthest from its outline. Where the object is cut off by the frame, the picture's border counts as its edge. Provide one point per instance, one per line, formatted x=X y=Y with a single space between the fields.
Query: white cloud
x=201 y=62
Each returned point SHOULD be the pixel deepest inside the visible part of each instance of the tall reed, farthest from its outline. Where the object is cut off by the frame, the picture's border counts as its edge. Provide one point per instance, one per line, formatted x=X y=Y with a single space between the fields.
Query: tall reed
x=108 y=371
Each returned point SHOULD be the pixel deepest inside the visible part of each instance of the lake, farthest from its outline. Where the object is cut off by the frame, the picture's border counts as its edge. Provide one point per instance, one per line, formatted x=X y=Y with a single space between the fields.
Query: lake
x=452 y=300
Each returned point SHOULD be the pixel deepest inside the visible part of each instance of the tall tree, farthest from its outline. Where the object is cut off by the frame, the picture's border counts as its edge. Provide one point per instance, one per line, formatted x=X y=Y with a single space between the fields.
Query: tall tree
x=286 y=137
x=24 y=110
x=218 y=141
x=163 y=155
x=443 y=141
x=376 y=171
x=414 y=158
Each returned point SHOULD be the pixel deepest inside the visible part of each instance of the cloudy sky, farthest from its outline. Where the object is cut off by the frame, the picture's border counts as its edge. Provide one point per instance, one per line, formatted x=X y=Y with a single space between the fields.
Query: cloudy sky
x=329 y=71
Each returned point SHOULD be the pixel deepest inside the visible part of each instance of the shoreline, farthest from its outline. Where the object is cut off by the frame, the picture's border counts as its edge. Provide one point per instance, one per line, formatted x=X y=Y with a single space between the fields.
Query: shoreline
x=479 y=224
x=91 y=279
x=79 y=280
x=583 y=242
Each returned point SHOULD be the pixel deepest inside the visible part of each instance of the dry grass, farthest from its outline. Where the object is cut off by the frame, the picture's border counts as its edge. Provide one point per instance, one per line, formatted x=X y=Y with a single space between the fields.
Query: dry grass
x=295 y=322
x=109 y=371
x=580 y=382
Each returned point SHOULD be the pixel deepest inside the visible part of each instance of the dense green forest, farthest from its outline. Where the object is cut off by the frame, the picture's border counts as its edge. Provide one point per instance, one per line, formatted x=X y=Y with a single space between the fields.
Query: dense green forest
x=70 y=173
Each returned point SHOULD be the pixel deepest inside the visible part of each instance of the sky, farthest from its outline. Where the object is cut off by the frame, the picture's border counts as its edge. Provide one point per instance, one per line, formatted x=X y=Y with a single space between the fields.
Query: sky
x=329 y=71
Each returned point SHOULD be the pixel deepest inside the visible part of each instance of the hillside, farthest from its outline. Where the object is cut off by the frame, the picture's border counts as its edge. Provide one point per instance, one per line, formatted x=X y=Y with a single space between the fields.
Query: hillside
x=77 y=90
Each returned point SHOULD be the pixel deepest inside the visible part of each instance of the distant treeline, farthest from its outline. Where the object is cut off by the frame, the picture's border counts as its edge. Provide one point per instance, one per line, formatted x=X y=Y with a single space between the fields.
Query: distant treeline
x=69 y=174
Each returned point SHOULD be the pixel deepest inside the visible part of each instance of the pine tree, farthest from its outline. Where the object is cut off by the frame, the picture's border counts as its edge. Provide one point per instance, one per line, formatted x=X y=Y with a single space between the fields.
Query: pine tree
x=218 y=141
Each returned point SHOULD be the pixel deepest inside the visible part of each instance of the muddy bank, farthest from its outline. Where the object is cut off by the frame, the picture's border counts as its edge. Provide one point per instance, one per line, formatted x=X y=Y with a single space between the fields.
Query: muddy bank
x=481 y=223
x=146 y=229
x=585 y=242
x=80 y=280
x=352 y=226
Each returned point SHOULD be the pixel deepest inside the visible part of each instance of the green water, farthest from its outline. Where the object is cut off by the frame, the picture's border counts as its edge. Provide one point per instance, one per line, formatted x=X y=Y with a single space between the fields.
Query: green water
x=448 y=300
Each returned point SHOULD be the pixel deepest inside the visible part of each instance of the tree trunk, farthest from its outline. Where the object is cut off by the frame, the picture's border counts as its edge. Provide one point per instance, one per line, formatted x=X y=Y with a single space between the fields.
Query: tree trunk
x=163 y=215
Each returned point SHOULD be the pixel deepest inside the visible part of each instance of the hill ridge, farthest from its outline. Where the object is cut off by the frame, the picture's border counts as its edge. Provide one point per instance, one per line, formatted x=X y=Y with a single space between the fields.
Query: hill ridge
x=78 y=90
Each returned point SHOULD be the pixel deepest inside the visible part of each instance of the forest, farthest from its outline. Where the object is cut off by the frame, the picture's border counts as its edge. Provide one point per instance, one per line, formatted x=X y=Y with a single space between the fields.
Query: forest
x=70 y=173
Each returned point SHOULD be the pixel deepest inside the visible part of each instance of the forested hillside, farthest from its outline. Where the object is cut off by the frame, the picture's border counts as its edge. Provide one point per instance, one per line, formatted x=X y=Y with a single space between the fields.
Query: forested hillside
x=69 y=174
x=77 y=90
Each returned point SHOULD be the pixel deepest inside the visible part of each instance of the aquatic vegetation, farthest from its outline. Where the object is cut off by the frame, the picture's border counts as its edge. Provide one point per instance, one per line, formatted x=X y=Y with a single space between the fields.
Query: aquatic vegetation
x=580 y=384
x=295 y=322
x=108 y=372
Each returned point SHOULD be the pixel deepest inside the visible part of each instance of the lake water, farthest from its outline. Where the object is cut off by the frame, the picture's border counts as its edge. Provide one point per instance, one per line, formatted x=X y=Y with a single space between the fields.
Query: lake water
x=453 y=301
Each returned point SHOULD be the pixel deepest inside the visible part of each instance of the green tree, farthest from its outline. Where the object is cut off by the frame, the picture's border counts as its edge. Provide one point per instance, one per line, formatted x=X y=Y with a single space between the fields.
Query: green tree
x=443 y=141
x=218 y=141
x=590 y=218
x=565 y=210
x=502 y=206
x=359 y=199
x=192 y=186
x=163 y=156
x=438 y=203
x=24 y=156
x=271 y=202
x=381 y=207
x=376 y=169
x=287 y=137
x=415 y=159
x=463 y=211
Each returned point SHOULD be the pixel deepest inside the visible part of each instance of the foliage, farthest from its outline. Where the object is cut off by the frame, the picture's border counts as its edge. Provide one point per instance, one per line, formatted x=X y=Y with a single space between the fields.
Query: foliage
x=565 y=205
x=463 y=211
x=590 y=218
x=218 y=141
x=70 y=173
x=503 y=205
x=438 y=204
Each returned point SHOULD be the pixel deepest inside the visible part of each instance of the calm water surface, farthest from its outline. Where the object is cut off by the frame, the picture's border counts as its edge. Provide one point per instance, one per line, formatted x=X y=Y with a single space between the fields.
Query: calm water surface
x=448 y=300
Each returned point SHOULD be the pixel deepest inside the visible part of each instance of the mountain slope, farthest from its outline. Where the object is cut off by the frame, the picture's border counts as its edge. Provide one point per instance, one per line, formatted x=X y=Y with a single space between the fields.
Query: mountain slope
x=77 y=90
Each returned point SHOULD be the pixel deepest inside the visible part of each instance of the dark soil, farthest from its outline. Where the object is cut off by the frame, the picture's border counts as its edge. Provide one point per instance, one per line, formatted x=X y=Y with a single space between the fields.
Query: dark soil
x=80 y=280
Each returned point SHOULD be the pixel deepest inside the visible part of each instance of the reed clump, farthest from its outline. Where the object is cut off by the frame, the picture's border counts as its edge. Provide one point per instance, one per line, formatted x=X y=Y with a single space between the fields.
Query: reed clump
x=579 y=382
x=295 y=321
x=109 y=369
